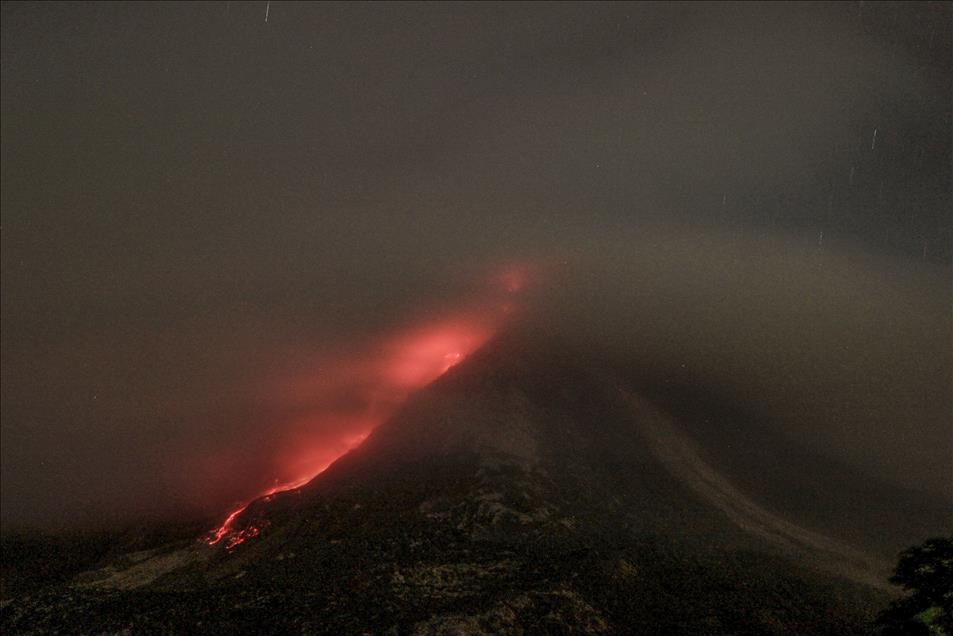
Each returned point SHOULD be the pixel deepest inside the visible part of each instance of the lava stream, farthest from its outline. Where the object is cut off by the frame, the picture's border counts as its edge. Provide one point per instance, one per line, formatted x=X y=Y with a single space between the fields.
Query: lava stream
x=408 y=361
x=381 y=376
x=235 y=538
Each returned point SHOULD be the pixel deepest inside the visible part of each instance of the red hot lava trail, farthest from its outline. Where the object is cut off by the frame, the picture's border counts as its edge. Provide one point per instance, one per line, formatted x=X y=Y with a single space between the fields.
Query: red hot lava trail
x=407 y=361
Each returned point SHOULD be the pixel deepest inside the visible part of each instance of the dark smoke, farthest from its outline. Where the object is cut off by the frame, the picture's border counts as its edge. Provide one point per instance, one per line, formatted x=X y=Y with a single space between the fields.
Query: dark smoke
x=748 y=198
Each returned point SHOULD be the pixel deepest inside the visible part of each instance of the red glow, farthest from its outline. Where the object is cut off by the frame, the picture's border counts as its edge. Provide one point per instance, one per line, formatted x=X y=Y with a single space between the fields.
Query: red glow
x=237 y=537
x=343 y=398
x=409 y=361
x=516 y=277
x=417 y=359
x=513 y=280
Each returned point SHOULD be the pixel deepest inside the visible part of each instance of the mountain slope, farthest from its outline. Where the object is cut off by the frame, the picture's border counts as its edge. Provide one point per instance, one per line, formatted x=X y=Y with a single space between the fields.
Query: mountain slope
x=526 y=491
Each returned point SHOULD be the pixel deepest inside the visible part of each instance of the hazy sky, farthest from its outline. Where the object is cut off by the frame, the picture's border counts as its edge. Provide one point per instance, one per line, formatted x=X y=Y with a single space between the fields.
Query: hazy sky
x=199 y=204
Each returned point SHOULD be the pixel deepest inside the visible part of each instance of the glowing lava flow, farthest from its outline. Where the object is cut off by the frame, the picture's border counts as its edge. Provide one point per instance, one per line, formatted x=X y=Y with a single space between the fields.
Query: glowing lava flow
x=235 y=538
x=360 y=389
x=405 y=363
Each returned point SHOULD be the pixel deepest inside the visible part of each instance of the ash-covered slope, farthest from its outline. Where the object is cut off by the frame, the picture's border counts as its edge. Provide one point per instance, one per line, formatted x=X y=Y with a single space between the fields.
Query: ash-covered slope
x=526 y=491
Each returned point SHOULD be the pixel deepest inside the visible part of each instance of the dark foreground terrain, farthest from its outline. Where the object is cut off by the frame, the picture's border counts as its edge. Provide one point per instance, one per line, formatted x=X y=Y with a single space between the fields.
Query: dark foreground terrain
x=520 y=493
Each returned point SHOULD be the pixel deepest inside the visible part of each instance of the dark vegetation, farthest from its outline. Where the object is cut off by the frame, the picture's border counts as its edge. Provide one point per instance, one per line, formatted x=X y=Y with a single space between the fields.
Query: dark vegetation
x=926 y=573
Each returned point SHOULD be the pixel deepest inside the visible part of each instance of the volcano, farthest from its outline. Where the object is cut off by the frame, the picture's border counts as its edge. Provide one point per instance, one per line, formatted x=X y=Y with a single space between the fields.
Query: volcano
x=532 y=488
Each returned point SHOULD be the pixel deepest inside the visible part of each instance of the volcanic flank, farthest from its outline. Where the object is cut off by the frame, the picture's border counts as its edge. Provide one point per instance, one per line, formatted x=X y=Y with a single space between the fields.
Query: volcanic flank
x=528 y=489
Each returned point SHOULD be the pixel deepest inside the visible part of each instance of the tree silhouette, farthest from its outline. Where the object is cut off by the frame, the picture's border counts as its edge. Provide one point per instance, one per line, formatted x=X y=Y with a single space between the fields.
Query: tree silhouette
x=926 y=571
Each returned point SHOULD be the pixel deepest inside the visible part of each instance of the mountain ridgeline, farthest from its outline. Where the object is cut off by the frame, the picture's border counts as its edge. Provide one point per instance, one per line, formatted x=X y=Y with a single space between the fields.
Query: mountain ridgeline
x=532 y=489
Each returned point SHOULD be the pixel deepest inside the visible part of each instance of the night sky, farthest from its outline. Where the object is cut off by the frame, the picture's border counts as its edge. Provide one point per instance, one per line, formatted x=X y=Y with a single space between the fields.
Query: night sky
x=205 y=203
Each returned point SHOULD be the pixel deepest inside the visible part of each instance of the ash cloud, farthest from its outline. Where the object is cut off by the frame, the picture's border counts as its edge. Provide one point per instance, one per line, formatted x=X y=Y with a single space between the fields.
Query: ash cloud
x=196 y=204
